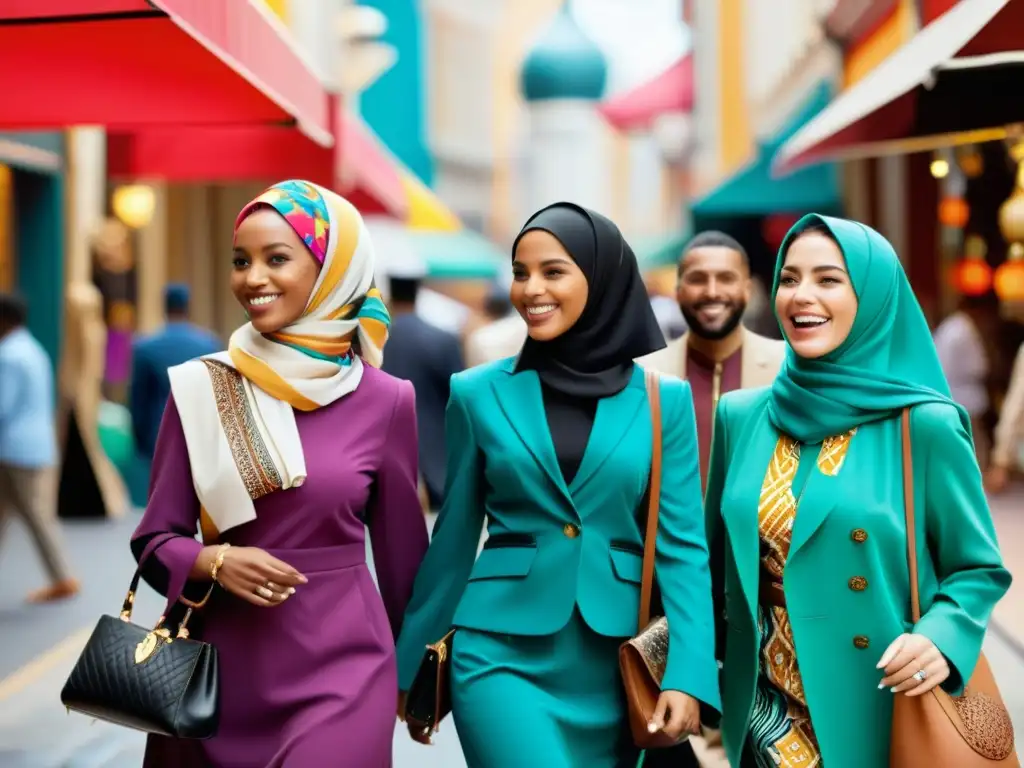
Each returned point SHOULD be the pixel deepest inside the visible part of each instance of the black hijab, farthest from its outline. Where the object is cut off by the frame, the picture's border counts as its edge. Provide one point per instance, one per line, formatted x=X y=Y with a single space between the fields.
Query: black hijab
x=594 y=358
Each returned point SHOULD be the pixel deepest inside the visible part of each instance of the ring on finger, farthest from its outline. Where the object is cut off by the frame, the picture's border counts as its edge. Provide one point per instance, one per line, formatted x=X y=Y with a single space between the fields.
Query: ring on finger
x=920 y=675
x=264 y=592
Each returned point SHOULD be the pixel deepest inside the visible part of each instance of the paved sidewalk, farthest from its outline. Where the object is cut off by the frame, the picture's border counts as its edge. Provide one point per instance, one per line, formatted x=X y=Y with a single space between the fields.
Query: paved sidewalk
x=40 y=644
x=1008 y=514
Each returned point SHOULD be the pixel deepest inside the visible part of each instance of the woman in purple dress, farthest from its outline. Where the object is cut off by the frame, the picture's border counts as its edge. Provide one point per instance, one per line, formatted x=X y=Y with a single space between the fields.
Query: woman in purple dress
x=280 y=451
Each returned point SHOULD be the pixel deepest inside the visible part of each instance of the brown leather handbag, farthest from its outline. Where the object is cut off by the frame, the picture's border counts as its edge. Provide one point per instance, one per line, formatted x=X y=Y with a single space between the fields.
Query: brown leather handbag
x=642 y=658
x=937 y=730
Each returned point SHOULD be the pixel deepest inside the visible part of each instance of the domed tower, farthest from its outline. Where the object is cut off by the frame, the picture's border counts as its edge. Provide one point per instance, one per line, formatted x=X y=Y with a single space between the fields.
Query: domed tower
x=562 y=80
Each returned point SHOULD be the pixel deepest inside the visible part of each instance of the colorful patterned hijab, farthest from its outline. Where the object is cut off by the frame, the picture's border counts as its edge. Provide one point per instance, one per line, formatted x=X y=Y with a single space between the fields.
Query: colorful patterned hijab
x=344 y=307
x=238 y=407
x=887 y=363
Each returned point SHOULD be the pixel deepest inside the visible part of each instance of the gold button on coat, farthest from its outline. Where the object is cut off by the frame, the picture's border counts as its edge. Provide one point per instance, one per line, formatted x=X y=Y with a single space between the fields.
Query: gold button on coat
x=859 y=535
x=861 y=642
x=858 y=583
x=571 y=531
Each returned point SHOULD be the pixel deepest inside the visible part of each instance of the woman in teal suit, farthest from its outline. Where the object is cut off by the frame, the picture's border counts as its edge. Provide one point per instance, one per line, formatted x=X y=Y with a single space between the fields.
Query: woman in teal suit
x=552 y=450
x=806 y=521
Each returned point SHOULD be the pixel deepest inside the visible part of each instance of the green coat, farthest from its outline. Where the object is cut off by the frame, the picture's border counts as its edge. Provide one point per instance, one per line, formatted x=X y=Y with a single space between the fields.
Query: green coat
x=551 y=547
x=851 y=525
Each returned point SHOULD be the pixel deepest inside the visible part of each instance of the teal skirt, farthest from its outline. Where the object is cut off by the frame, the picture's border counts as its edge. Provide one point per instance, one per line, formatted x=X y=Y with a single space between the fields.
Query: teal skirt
x=554 y=701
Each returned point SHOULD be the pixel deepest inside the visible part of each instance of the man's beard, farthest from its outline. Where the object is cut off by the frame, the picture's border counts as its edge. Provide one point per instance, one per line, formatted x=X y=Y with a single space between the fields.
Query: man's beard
x=729 y=325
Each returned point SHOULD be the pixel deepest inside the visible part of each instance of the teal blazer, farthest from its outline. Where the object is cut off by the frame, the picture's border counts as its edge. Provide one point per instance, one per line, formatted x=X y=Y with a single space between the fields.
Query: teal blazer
x=554 y=547
x=848 y=525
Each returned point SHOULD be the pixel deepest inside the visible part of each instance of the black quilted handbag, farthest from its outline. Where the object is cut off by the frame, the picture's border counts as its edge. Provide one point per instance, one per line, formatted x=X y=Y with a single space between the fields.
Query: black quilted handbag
x=144 y=678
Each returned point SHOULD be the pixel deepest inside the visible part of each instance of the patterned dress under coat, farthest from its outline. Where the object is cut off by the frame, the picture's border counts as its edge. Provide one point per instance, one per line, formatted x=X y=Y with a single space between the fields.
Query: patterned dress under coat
x=781 y=733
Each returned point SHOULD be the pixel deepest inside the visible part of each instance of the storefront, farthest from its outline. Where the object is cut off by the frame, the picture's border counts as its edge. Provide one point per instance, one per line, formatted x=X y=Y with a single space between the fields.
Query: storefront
x=908 y=101
x=32 y=227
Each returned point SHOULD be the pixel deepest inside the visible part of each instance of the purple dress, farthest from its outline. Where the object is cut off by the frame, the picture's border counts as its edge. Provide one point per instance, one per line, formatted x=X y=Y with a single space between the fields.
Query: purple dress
x=314 y=678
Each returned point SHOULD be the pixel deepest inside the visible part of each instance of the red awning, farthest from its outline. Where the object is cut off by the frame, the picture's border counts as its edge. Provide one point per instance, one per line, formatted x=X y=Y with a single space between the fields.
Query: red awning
x=262 y=153
x=367 y=172
x=128 y=63
x=882 y=113
x=218 y=154
x=671 y=91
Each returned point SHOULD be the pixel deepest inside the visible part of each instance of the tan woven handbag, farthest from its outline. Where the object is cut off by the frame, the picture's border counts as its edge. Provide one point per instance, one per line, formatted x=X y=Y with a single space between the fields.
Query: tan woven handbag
x=937 y=730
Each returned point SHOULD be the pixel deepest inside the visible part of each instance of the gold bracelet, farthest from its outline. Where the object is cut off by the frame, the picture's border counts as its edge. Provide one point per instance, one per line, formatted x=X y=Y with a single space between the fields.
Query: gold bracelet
x=218 y=561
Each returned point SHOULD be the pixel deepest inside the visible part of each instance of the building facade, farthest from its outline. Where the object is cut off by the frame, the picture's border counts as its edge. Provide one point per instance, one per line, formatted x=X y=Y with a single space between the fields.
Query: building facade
x=32 y=169
x=464 y=56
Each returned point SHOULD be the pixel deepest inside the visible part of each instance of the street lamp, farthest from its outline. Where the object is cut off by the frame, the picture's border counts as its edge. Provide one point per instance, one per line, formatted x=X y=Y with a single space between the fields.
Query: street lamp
x=134 y=204
x=363 y=57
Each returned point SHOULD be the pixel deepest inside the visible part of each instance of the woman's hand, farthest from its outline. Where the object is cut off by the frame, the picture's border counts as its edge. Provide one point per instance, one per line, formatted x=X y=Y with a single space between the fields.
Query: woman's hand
x=913 y=665
x=419 y=733
x=416 y=732
x=677 y=715
x=258 y=577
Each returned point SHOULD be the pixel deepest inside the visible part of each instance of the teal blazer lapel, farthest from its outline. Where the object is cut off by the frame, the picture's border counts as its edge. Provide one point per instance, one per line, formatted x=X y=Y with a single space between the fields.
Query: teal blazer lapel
x=520 y=399
x=813 y=506
x=745 y=478
x=615 y=415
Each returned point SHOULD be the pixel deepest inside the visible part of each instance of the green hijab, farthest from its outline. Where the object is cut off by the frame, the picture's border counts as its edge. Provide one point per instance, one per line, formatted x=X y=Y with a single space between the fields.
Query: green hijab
x=886 y=364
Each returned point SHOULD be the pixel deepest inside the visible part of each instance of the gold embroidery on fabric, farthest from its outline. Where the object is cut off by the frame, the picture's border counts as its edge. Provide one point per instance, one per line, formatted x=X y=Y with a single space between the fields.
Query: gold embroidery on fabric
x=776 y=513
x=255 y=466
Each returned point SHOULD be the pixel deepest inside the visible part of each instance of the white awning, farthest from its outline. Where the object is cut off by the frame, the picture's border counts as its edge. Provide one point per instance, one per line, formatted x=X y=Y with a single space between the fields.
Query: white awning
x=866 y=119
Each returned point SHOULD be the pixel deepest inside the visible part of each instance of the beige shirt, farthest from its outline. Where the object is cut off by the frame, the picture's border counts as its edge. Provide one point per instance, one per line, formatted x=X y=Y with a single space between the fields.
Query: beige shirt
x=761 y=359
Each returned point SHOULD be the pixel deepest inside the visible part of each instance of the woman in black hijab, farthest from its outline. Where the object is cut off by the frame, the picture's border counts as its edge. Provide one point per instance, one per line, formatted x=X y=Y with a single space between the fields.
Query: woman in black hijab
x=552 y=450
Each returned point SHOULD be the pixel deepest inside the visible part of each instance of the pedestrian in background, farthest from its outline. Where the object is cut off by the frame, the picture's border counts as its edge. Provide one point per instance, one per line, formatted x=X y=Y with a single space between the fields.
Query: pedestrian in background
x=1008 y=448
x=179 y=340
x=966 y=359
x=807 y=522
x=501 y=337
x=552 y=449
x=716 y=354
x=428 y=357
x=28 y=446
x=282 y=451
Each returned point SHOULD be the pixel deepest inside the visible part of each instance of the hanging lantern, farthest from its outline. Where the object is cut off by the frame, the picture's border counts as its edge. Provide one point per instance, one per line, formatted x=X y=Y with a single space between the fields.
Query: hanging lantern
x=970 y=161
x=134 y=204
x=1009 y=278
x=954 y=212
x=1011 y=213
x=972 y=276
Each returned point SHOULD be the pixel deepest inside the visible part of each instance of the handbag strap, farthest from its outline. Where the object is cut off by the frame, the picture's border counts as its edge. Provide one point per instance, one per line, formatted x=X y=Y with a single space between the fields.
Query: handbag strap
x=908 y=506
x=129 y=600
x=652 y=381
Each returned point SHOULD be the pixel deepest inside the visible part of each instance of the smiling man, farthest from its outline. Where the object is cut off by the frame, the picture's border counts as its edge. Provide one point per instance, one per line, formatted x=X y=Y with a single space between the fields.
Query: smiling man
x=717 y=354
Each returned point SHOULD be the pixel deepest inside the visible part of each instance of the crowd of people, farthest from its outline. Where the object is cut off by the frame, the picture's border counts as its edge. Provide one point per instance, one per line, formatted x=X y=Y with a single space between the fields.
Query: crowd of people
x=781 y=501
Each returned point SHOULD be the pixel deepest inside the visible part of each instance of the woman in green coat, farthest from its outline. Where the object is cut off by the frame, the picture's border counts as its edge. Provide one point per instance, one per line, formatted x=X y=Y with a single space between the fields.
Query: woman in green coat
x=806 y=525
x=552 y=451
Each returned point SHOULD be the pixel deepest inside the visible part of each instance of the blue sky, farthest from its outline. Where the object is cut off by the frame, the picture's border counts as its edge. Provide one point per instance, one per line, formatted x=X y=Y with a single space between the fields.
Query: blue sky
x=640 y=37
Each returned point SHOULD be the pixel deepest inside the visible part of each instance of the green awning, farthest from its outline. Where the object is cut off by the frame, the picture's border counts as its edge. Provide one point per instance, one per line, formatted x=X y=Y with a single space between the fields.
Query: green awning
x=753 y=191
x=462 y=255
x=660 y=250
